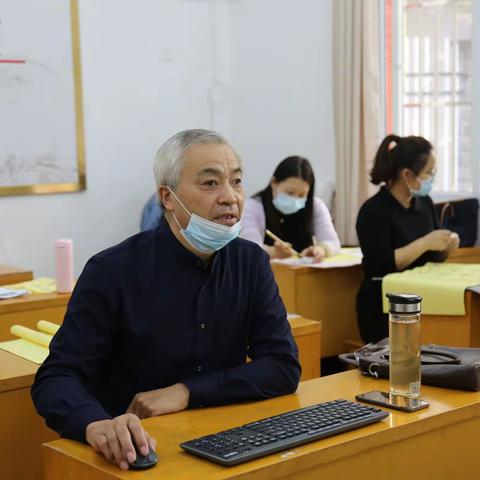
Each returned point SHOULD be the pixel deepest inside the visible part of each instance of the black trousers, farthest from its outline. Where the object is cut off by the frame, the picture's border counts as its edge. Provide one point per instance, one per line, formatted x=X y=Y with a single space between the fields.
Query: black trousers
x=372 y=322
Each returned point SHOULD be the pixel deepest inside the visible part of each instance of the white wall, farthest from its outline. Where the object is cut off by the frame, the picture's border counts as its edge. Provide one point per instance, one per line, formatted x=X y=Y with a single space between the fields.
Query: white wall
x=282 y=85
x=260 y=72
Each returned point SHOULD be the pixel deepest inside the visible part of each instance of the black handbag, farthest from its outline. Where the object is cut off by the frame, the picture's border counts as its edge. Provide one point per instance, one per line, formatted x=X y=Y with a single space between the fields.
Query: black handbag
x=442 y=366
x=460 y=216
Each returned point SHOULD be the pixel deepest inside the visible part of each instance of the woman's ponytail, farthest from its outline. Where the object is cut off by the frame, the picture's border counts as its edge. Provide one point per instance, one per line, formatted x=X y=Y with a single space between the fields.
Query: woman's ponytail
x=384 y=168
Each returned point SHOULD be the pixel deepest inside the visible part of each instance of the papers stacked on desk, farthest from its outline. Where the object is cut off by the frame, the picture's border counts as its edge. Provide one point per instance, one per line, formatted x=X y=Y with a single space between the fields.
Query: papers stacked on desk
x=346 y=258
x=6 y=293
x=32 y=344
x=39 y=285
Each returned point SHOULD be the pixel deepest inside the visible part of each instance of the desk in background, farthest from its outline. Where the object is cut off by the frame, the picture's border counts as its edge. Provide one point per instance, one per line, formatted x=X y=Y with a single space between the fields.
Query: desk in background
x=454 y=330
x=307 y=334
x=437 y=443
x=27 y=310
x=9 y=275
x=22 y=431
x=465 y=255
x=327 y=295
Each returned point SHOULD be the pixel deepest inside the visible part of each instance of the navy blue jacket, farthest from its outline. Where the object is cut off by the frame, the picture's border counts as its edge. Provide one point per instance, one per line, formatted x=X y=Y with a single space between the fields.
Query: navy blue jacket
x=147 y=313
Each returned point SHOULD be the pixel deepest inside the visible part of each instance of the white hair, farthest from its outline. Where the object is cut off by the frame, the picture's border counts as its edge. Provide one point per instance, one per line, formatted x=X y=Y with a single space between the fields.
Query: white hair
x=170 y=157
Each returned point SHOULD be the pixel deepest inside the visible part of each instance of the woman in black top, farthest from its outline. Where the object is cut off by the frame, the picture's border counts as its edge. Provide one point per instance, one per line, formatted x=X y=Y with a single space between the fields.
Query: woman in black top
x=397 y=227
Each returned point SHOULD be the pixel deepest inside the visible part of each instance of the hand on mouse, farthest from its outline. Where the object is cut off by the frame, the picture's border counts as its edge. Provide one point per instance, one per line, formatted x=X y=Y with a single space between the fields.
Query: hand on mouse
x=159 y=402
x=114 y=439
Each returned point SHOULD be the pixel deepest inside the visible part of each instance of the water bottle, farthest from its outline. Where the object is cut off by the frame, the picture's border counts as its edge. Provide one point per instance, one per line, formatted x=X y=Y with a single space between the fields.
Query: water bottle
x=404 y=340
x=64 y=265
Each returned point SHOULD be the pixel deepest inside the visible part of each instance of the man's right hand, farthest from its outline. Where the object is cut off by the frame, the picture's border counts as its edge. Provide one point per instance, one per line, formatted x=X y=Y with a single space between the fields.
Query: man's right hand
x=114 y=439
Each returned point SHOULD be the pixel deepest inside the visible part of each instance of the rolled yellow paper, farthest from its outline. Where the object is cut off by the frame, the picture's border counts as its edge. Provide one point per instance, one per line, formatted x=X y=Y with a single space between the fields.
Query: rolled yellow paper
x=31 y=335
x=47 y=327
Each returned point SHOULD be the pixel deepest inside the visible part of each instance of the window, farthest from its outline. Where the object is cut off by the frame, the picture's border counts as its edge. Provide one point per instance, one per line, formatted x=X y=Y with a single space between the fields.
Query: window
x=432 y=83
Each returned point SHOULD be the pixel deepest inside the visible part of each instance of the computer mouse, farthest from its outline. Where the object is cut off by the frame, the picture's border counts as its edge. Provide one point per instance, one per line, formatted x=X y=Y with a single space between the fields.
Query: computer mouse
x=143 y=462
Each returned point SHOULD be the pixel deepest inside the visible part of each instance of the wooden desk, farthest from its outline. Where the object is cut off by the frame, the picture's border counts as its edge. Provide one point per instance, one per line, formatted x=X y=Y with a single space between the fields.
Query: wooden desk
x=307 y=334
x=327 y=295
x=21 y=426
x=437 y=443
x=9 y=274
x=22 y=431
x=454 y=330
x=465 y=255
x=27 y=310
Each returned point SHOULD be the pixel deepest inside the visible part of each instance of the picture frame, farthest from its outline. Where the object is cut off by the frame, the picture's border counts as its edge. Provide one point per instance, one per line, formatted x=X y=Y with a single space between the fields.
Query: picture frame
x=42 y=150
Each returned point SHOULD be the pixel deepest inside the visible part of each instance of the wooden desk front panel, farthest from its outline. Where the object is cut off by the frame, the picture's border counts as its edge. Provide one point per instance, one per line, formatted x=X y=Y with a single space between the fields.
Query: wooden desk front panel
x=327 y=295
x=29 y=309
x=465 y=255
x=9 y=275
x=454 y=330
x=307 y=334
x=22 y=431
x=436 y=443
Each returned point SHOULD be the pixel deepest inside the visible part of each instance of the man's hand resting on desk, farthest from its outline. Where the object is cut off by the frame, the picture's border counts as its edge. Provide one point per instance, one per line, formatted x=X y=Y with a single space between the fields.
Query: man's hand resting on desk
x=114 y=439
x=159 y=402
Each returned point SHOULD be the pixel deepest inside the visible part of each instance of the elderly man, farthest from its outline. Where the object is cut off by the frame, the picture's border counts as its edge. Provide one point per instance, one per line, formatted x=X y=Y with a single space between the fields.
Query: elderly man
x=166 y=319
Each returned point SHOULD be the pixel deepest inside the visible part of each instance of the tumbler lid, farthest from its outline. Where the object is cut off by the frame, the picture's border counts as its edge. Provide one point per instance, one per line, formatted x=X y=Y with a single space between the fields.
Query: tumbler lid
x=404 y=303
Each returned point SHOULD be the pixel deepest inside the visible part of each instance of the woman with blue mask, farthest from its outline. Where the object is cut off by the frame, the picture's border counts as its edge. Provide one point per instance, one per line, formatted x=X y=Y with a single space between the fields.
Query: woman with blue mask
x=289 y=209
x=397 y=228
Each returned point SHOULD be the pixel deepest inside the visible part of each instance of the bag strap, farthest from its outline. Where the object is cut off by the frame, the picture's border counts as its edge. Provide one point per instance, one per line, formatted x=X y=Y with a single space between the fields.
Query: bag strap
x=449 y=358
x=453 y=357
x=443 y=214
x=348 y=358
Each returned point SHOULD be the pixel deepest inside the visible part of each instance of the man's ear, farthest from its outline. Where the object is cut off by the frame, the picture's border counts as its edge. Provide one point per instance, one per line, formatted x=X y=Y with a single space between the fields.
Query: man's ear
x=165 y=198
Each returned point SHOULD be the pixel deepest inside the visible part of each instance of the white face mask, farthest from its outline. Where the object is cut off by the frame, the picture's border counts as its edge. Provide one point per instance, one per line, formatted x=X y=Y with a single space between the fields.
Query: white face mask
x=288 y=204
x=204 y=235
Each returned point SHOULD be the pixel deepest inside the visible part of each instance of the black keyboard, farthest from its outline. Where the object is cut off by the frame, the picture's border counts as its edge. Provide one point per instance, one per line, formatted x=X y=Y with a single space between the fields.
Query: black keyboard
x=284 y=431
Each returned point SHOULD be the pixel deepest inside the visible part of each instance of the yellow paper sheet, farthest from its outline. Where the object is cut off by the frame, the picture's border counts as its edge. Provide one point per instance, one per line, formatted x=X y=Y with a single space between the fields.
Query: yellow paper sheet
x=25 y=349
x=39 y=285
x=30 y=335
x=47 y=327
x=346 y=258
x=441 y=286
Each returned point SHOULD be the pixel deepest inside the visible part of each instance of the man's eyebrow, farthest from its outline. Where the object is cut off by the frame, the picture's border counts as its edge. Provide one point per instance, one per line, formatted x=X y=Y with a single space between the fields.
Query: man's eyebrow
x=217 y=171
x=210 y=171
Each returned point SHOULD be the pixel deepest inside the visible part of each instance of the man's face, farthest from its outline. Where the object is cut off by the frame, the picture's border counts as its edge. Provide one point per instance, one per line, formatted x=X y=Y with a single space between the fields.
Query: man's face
x=210 y=186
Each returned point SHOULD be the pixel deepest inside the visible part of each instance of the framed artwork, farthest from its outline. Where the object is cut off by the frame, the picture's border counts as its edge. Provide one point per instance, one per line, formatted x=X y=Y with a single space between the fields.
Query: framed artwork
x=41 y=118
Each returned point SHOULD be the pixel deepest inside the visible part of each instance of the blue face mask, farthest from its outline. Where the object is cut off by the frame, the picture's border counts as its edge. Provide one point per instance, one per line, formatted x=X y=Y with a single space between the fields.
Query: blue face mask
x=206 y=236
x=287 y=204
x=425 y=187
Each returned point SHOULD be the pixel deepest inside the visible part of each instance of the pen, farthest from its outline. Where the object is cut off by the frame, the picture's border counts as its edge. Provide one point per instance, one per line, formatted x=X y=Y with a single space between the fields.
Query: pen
x=277 y=239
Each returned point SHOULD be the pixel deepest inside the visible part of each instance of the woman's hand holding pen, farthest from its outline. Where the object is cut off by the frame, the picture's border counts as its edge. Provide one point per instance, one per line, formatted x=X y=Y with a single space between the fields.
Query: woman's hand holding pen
x=283 y=249
x=316 y=251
